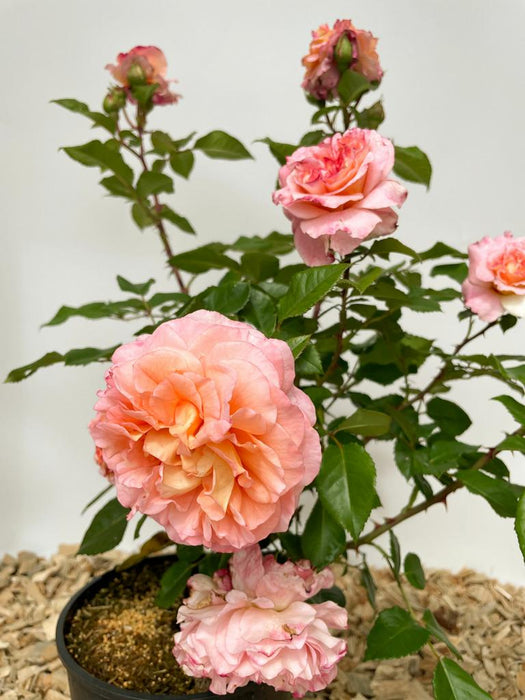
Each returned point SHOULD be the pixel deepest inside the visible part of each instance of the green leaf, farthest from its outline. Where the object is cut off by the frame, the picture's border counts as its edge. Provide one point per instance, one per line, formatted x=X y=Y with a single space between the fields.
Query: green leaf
x=394 y=634
x=512 y=443
x=50 y=358
x=451 y=418
x=273 y=244
x=436 y=631
x=98 y=118
x=309 y=363
x=456 y=271
x=520 y=523
x=259 y=266
x=278 y=150
x=516 y=409
x=96 y=498
x=351 y=86
x=368 y=583
x=312 y=138
x=346 y=485
x=153 y=183
x=298 y=344
x=441 y=250
x=97 y=154
x=367 y=423
x=227 y=298
x=163 y=143
x=118 y=188
x=219 y=144
x=395 y=553
x=501 y=495
x=451 y=682
x=261 y=311
x=140 y=288
x=291 y=544
x=414 y=571
x=173 y=583
x=182 y=163
x=385 y=246
x=307 y=287
x=106 y=530
x=372 y=117
x=84 y=356
x=142 y=215
x=413 y=165
x=176 y=219
x=323 y=539
x=333 y=594
x=204 y=258
x=364 y=280
x=189 y=553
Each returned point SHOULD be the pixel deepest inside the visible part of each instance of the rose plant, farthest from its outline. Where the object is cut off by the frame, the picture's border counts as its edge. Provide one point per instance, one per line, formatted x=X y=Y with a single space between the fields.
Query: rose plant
x=240 y=418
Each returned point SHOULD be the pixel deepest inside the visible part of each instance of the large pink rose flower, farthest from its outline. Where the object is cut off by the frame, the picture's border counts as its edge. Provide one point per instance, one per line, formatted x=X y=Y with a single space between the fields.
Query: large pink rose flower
x=201 y=427
x=496 y=278
x=151 y=63
x=338 y=193
x=322 y=74
x=253 y=624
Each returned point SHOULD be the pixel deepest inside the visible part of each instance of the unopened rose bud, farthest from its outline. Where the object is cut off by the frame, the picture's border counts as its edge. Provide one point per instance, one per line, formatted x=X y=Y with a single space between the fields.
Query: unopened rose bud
x=344 y=53
x=114 y=100
x=136 y=75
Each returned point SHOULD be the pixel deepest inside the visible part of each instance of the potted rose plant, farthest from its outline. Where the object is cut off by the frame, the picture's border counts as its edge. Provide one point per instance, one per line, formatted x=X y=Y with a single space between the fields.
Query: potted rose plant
x=240 y=416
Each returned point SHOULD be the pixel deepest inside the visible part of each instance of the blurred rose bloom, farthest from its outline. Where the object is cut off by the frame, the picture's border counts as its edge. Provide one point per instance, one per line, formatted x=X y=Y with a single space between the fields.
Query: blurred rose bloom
x=201 y=427
x=152 y=64
x=338 y=194
x=496 y=277
x=322 y=73
x=253 y=624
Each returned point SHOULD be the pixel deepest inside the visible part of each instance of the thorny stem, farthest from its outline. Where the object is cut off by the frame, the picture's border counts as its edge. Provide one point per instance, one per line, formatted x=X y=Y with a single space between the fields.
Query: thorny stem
x=439 y=497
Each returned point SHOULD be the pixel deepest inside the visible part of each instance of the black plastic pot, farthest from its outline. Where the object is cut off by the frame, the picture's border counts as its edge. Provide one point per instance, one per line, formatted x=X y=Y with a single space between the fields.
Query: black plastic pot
x=84 y=686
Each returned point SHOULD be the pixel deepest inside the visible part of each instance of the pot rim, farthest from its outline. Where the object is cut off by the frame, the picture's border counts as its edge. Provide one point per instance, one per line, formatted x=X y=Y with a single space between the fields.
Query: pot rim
x=104 y=689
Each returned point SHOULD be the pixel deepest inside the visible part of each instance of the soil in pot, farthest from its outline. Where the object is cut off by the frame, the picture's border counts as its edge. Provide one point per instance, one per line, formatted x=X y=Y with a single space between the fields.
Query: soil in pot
x=120 y=636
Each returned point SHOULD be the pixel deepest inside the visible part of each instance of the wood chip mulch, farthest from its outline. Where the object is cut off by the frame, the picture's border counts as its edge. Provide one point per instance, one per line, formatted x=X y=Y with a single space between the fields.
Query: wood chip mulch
x=483 y=618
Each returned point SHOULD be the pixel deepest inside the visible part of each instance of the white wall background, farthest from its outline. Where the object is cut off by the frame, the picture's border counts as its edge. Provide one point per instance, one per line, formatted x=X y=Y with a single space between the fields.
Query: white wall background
x=453 y=85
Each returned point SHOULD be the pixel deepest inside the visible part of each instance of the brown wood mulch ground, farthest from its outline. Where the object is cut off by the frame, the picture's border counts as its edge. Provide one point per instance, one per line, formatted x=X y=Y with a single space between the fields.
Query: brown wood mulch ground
x=483 y=618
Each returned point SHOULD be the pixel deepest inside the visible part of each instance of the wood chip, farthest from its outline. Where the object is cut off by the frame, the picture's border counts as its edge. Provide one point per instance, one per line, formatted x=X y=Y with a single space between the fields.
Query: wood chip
x=482 y=617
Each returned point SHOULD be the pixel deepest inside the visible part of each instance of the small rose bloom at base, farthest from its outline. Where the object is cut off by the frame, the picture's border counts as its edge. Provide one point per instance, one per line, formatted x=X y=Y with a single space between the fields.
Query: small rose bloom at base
x=338 y=194
x=147 y=64
x=496 y=278
x=261 y=629
x=322 y=73
x=200 y=427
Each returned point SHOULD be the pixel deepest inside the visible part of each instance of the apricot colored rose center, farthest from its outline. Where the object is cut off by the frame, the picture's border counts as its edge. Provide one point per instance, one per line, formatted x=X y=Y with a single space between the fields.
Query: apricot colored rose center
x=509 y=267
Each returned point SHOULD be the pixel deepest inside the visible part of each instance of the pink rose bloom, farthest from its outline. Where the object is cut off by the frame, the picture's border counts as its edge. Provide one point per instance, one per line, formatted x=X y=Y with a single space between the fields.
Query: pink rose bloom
x=154 y=66
x=202 y=428
x=262 y=629
x=496 y=277
x=322 y=74
x=337 y=194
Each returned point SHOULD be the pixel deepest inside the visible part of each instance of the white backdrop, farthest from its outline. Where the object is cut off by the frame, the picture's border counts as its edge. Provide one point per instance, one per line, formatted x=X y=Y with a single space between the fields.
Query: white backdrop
x=453 y=85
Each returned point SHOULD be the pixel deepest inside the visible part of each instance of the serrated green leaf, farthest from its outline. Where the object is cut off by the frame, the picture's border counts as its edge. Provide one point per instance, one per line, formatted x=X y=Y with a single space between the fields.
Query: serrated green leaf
x=291 y=544
x=366 y=423
x=312 y=138
x=278 y=150
x=395 y=553
x=261 y=312
x=450 y=417
x=227 y=298
x=259 y=266
x=372 y=117
x=97 y=309
x=413 y=165
x=98 y=118
x=180 y=221
x=204 y=258
x=139 y=288
x=346 y=485
x=385 y=246
x=512 y=443
x=364 y=280
x=106 y=530
x=273 y=244
x=98 y=154
x=451 y=682
x=441 y=250
x=173 y=583
x=182 y=163
x=333 y=594
x=117 y=187
x=142 y=215
x=309 y=363
x=516 y=409
x=307 y=287
x=153 y=183
x=394 y=634
x=456 y=271
x=323 y=539
x=298 y=344
x=501 y=495
x=50 y=358
x=414 y=571
x=219 y=144
x=437 y=631
x=352 y=85
x=520 y=523
x=84 y=356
